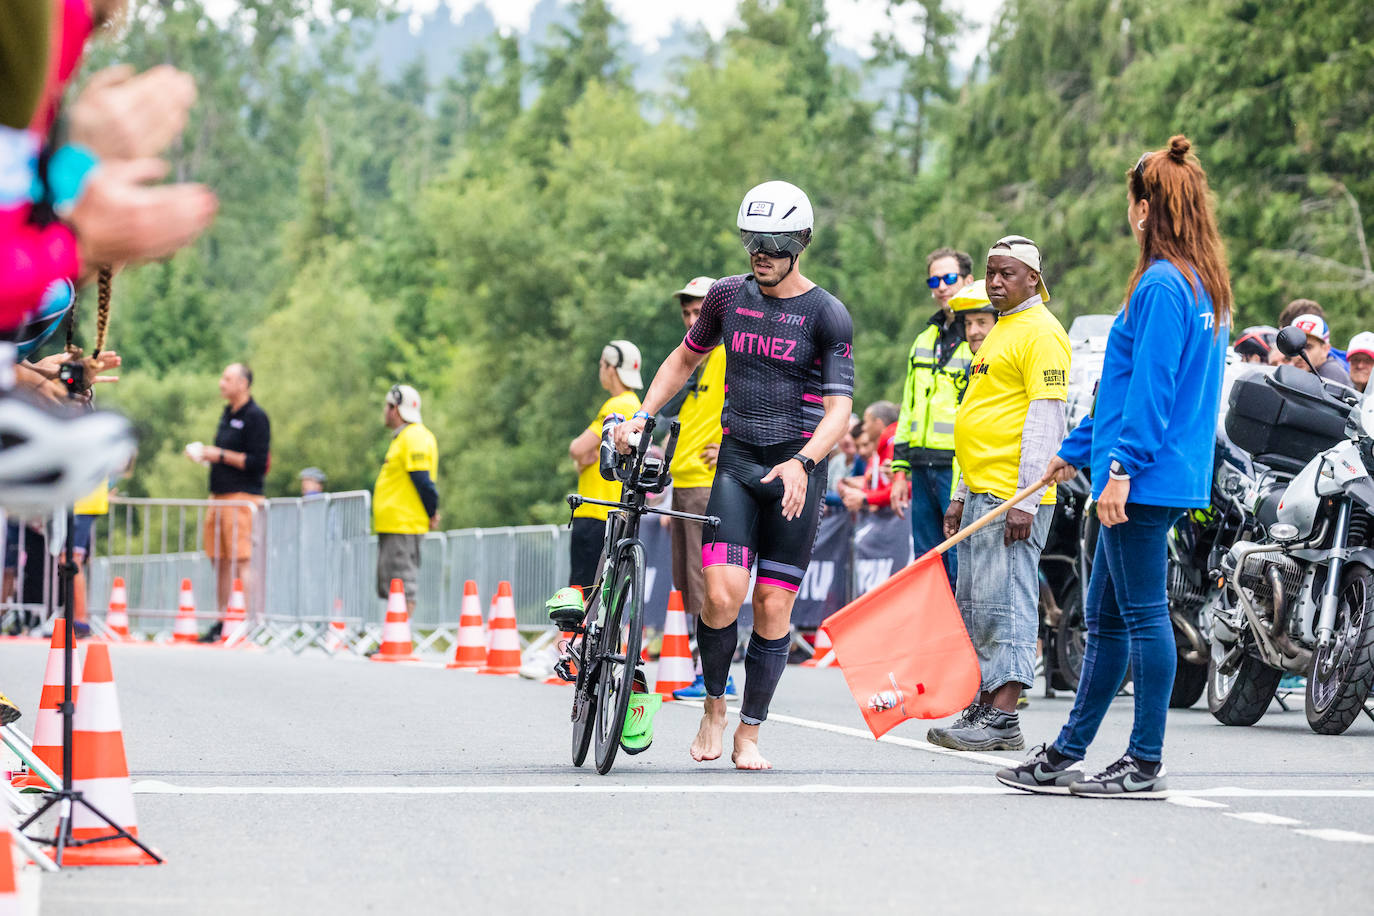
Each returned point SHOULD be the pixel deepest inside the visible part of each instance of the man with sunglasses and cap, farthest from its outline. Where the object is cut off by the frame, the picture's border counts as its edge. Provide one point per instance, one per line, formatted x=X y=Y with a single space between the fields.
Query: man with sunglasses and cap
x=1008 y=427
x=937 y=371
x=789 y=383
x=405 y=499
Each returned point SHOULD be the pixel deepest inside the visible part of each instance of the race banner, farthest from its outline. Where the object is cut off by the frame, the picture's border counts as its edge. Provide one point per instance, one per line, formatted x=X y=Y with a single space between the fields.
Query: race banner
x=882 y=546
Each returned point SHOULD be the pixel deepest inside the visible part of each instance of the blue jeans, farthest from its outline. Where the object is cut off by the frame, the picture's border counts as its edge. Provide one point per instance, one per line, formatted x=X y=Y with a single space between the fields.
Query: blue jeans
x=1127 y=613
x=999 y=593
x=930 y=489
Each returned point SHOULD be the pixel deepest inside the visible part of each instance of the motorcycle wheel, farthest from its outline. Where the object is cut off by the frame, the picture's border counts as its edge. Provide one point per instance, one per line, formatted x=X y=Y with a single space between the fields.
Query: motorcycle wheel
x=1341 y=674
x=1189 y=683
x=1243 y=697
x=1071 y=637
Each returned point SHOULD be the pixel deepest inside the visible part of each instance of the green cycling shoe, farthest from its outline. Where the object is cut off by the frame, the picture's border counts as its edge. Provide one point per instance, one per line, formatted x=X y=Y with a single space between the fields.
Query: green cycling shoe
x=638 y=732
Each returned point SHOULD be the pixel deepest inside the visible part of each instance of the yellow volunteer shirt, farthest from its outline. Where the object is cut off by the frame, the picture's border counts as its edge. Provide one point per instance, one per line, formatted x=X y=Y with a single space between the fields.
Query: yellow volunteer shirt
x=96 y=503
x=700 y=419
x=589 y=482
x=396 y=505
x=1024 y=358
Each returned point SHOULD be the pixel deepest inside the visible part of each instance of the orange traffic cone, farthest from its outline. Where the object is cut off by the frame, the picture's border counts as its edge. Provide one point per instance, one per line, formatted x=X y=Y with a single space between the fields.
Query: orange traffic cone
x=184 y=627
x=10 y=904
x=335 y=638
x=47 y=724
x=503 y=654
x=823 y=651
x=117 y=617
x=234 y=624
x=675 y=658
x=396 y=642
x=471 y=648
x=100 y=772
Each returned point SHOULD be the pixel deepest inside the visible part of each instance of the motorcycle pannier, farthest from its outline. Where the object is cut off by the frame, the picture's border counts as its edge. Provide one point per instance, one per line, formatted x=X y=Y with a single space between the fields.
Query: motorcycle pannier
x=1283 y=414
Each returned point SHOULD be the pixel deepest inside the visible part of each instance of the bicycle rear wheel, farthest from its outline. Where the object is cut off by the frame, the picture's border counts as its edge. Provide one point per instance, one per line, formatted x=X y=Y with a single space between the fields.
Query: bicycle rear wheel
x=621 y=633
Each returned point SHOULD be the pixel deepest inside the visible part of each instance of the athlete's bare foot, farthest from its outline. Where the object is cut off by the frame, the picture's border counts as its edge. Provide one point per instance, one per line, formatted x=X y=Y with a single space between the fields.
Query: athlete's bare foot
x=710 y=736
x=746 y=755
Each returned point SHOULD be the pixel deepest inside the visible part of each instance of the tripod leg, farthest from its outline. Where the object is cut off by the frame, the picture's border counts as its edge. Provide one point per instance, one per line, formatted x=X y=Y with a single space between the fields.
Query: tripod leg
x=120 y=833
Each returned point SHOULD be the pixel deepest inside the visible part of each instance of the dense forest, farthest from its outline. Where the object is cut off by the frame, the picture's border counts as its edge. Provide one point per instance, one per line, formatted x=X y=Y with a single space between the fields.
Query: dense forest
x=482 y=236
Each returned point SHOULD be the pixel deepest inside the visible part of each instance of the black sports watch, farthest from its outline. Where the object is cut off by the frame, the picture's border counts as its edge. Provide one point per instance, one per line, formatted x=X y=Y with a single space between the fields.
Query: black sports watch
x=806 y=462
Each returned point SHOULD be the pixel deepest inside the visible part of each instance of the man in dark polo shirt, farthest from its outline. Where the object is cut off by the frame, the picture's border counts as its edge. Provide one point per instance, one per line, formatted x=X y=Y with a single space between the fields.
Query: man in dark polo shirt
x=238 y=462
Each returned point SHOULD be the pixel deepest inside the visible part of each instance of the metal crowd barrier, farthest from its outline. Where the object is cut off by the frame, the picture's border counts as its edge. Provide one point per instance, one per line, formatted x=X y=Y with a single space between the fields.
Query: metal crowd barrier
x=313 y=561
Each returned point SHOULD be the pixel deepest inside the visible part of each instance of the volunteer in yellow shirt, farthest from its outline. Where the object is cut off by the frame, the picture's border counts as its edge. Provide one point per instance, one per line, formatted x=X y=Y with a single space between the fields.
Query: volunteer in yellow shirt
x=85 y=512
x=1008 y=426
x=619 y=375
x=405 y=498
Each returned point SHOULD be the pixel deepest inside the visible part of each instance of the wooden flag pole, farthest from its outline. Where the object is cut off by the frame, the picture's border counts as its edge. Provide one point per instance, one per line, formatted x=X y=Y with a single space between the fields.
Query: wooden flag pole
x=993 y=516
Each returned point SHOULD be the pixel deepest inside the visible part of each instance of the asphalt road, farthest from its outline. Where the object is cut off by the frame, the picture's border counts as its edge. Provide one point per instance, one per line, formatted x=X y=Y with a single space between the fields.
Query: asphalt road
x=287 y=784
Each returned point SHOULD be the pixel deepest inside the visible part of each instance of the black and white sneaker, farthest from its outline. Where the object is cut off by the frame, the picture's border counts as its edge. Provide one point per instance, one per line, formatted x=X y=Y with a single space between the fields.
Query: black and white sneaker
x=1127 y=778
x=1046 y=772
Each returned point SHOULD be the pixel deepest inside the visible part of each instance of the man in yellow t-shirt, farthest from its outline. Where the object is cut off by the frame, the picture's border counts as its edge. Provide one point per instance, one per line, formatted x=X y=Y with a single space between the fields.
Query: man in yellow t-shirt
x=405 y=498
x=694 y=470
x=1007 y=429
x=619 y=375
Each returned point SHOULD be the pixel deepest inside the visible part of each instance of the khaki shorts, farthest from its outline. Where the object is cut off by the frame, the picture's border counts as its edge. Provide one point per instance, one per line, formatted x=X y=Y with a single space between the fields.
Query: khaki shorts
x=398 y=557
x=229 y=530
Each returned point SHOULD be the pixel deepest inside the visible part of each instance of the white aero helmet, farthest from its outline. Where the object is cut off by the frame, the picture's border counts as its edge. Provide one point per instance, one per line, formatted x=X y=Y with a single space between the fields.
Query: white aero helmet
x=776 y=217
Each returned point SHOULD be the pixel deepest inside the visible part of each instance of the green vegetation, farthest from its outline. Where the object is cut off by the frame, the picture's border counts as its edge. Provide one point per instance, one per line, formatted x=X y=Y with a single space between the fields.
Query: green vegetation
x=482 y=238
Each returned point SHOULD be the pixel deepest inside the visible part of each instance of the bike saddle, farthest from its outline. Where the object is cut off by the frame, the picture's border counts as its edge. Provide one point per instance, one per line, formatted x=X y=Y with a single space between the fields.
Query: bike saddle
x=566 y=609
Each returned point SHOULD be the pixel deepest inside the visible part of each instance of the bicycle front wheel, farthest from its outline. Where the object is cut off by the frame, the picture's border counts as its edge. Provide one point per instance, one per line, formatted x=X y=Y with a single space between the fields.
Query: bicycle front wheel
x=621 y=633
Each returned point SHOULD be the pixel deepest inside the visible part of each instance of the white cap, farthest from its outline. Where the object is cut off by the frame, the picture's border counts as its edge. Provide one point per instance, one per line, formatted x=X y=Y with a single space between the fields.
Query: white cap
x=1312 y=326
x=1362 y=342
x=1025 y=251
x=697 y=289
x=623 y=356
x=406 y=400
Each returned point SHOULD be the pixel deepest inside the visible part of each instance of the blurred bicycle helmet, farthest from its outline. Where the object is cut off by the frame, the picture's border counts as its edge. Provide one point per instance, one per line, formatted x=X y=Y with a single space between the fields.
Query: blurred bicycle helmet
x=48 y=462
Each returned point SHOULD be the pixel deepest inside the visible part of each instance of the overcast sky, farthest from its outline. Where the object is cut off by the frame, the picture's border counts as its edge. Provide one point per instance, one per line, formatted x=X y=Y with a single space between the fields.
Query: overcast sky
x=853 y=21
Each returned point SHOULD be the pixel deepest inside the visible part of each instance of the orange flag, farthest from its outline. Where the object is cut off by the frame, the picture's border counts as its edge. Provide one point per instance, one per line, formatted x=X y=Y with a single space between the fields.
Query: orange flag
x=903 y=648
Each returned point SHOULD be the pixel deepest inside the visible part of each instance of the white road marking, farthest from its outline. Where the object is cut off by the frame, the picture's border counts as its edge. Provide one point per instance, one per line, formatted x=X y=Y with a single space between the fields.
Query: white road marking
x=1192 y=801
x=1186 y=798
x=1263 y=817
x=1337 y=836
x=868 y=736
x=157 y=787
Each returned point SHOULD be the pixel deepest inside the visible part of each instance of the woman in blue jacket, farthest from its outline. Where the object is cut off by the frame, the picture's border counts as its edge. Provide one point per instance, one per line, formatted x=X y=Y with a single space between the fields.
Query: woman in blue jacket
x=1148 y=446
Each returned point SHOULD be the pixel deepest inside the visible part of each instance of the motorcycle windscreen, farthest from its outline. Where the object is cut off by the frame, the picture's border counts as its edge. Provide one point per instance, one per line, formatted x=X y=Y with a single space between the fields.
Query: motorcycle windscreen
x=903 y=648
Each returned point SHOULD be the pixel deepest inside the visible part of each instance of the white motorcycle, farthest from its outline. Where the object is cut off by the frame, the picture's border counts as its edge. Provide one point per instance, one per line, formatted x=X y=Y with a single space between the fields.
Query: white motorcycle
x=1300 y=599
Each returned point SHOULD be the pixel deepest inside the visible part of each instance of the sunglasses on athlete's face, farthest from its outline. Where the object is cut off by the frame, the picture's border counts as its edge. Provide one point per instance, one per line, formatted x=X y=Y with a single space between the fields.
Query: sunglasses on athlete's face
x=947 y=279
x=773 y=245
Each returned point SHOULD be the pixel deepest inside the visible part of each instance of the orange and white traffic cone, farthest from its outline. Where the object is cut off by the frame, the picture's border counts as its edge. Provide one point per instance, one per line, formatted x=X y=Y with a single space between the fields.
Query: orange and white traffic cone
x=503 y=654
x=101 y=773
x=47 y=724
x=10 y=904
x=234 y=624
x=335 y=638
x=117 y=617
x=675 y=658
x=396 y=643
x=823 y=650
x=471 y=648
x=184 y=627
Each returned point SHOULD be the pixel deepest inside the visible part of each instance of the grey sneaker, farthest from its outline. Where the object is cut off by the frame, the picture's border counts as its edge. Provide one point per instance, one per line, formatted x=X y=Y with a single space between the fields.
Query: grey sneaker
x=991 y=730
x=1127 y=778
x=971 y=714
x=1039 y=774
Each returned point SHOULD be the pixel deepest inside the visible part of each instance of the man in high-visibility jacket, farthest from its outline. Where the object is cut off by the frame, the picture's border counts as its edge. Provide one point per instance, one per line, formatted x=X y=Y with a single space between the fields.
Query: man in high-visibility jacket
x=937 y=373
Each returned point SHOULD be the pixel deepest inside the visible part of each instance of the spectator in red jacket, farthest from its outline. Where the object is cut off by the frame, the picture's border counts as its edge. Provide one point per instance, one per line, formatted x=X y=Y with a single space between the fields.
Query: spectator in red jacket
x=880 y=425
